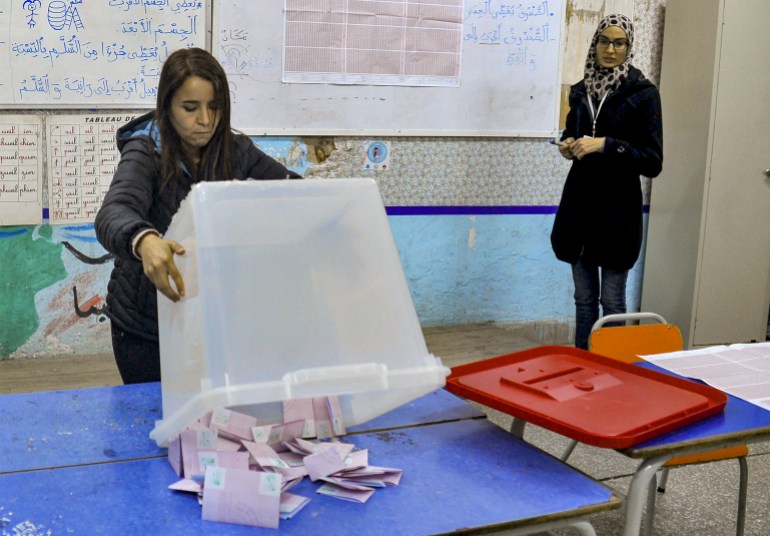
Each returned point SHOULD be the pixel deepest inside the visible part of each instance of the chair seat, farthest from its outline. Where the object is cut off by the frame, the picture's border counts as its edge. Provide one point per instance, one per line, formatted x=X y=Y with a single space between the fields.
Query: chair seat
x=710 y=456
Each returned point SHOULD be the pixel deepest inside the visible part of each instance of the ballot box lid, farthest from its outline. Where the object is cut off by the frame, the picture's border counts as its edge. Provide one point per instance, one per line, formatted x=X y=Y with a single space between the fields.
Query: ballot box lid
x=593 y=399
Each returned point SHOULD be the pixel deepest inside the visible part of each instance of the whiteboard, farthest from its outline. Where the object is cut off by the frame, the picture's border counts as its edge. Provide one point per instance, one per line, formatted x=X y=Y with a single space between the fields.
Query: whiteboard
x=509 y=81
x=91 y=53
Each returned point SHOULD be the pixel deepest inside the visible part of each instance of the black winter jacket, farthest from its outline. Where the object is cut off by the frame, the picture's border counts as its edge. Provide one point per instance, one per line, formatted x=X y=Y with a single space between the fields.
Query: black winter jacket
x=600 y=213
x=133 y=203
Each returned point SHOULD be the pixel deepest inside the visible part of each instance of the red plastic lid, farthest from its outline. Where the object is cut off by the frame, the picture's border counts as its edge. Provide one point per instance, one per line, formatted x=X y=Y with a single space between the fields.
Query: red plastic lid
x=585 y=396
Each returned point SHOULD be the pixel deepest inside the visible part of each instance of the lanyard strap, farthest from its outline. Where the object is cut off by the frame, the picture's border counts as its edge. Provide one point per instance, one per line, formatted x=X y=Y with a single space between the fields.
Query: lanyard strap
x=595 y=114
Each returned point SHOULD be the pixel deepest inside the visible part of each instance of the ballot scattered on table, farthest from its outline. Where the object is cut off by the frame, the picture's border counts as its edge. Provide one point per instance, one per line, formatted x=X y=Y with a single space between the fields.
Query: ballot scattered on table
x=355 y=495
x=325 y=462
x=187 y=484
x=291 y=504
x=300 y=410
x=231 y=423
x=241 y=470
x=276 y=435
x=241 y=496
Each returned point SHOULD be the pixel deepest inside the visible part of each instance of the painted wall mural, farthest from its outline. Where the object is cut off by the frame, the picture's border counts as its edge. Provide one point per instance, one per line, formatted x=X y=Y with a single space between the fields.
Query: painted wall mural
x=31 y=262
x=54 y=278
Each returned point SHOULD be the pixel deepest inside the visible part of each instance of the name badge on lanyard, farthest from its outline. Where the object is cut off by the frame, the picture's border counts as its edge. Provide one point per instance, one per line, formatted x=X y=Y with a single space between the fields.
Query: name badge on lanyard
x=595 y=114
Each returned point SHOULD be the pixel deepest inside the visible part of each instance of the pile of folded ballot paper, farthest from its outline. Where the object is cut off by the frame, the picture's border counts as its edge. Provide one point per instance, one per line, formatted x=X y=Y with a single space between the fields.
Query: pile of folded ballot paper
x=241 y=471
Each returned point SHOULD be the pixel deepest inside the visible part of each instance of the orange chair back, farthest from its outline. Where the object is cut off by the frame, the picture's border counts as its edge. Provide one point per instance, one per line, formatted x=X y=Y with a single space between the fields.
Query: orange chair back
x=627 y=343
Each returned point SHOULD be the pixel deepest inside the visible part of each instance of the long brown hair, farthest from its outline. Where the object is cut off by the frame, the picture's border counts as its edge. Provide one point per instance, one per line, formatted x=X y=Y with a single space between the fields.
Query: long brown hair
x=216 y=158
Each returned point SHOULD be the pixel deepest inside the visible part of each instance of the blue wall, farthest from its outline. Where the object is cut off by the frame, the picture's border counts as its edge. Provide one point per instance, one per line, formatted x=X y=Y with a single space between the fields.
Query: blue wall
x=465 y=268
x=460 y=267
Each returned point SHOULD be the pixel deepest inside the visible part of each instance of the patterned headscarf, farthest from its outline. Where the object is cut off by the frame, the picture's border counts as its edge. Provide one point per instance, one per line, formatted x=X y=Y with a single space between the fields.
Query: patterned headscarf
x=600 y=80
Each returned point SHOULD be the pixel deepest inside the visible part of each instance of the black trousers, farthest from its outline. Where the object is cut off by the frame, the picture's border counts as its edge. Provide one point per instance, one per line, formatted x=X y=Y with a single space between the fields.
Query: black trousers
x=138 y=359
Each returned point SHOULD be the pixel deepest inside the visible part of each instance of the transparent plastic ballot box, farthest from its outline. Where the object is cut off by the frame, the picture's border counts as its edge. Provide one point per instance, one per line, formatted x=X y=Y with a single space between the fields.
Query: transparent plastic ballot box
x=294 y=290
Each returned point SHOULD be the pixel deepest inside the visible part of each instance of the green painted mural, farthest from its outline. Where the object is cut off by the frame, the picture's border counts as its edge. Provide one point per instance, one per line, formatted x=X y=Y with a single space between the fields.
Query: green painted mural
x=31 y=261
x=54 y=279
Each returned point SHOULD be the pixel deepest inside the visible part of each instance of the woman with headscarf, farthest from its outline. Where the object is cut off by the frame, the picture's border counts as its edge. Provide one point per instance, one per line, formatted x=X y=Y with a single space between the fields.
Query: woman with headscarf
x=613 y=135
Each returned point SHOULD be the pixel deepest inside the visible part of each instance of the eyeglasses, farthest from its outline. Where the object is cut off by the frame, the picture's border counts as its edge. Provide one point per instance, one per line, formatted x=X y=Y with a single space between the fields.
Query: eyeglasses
x=617 y=44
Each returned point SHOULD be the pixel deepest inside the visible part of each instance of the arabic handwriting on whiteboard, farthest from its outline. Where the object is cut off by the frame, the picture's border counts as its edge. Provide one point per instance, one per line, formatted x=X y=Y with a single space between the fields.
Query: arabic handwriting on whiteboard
x=99 y=52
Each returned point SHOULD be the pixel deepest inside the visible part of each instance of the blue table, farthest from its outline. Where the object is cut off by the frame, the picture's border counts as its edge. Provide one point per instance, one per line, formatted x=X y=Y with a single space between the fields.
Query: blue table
x=79 y=426
x=61 y=428
x=452 y=480
x=91 y=469
x=741 y=423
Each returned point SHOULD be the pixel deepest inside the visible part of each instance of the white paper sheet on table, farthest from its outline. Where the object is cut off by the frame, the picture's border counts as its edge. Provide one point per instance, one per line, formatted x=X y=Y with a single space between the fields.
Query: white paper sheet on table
x=742 y=370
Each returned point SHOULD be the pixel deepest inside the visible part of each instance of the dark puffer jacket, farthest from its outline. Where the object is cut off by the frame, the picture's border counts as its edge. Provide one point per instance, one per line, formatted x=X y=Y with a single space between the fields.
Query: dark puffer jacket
x=133 y=203
x=600 y=213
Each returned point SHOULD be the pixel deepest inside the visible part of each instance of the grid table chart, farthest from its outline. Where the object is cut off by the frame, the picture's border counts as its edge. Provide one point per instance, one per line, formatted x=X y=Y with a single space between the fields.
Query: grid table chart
x=82 y=158
x=402 y=42
x=20 y=170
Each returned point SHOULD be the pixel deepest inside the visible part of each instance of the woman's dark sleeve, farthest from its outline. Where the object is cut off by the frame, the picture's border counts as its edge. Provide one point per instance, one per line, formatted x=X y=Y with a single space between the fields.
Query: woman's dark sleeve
x=643 y=153
x=571 y=125
x=127 y=203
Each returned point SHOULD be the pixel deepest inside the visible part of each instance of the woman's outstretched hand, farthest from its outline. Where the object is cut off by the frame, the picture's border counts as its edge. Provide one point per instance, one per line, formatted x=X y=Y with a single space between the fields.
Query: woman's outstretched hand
x=158 y=262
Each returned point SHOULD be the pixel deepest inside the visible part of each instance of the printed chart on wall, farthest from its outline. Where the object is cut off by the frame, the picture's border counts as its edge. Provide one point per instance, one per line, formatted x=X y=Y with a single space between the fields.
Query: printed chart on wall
x=82 y=158
x=92 y=53
x=21 y=178
x=392 y=67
